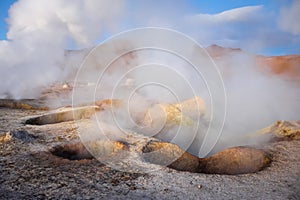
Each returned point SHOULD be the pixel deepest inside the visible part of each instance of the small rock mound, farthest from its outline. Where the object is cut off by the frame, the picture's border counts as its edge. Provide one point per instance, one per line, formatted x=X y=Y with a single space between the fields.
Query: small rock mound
x=21 y=135
x=63 y=115
x=286 y=130
x=235 y=160
x=163 y=153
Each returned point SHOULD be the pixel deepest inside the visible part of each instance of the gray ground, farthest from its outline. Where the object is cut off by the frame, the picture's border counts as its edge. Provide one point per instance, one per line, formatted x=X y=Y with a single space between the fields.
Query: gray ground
x=30 y=171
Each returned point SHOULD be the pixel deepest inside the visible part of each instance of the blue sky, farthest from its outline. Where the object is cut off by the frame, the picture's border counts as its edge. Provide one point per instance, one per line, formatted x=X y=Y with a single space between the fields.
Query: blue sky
x=259 y=28
x=214 y=6
x=4 y=6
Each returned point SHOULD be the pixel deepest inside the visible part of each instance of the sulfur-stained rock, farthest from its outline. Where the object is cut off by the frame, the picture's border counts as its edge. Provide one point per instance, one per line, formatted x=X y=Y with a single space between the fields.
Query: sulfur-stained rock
x=171 y=155
x=236 y=160
x=21 y=135
x=63 y=115
x=184 y=113
x=103 y=149
x=5 y=138
x=79 y=151
x=289 y=130
x=167 y=114
x=193 y=108
x=109 y=103
x=26 y=104
x=280 y=130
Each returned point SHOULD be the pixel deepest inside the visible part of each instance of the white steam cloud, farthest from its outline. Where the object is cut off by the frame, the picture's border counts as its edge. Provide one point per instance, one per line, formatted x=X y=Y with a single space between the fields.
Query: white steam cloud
x=288 y=19
x=256 y=99
x=40 y=31
x=34 y=56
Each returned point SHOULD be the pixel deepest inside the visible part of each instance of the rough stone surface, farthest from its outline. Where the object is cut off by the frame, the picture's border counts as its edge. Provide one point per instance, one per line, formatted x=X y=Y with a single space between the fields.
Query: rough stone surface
x=30 y=171
x=163 y=153
x=235 y=160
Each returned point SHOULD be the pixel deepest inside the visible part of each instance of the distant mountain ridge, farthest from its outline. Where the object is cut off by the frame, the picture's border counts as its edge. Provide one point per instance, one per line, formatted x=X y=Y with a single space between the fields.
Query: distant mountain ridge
x=287 y=65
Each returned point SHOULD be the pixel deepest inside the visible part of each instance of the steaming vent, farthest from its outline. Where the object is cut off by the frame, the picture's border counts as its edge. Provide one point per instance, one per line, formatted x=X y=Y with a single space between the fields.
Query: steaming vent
x=63 y=115
x=75 y=151
x=80 y=151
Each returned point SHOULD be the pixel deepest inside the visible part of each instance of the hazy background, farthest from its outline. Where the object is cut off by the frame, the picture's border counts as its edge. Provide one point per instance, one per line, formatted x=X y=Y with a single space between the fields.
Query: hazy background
x=38 y=33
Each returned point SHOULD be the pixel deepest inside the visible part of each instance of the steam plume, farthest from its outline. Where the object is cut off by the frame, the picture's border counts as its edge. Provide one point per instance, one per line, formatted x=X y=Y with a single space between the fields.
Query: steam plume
x=40 y=31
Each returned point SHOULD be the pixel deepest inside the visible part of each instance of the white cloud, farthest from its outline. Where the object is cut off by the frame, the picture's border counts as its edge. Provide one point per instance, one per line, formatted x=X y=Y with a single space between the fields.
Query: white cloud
x=231 y=28
x=289 y=18
x=252 y=28
x=247 y=13
x=243 y=14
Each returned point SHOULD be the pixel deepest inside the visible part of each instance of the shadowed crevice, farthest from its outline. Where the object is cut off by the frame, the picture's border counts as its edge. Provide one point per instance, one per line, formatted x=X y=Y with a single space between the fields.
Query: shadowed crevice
x=74 y=151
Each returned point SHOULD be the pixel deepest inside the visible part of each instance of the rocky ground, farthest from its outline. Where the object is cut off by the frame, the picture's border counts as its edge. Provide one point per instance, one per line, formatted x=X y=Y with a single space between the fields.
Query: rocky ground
x=30 y=171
